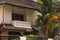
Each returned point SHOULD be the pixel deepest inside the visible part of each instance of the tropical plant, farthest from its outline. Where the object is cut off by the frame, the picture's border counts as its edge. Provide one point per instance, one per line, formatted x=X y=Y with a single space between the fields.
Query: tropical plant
x=45 y=21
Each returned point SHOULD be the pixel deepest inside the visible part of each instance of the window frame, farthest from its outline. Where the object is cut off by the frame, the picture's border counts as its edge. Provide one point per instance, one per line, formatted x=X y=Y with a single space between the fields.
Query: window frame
x=19 y=17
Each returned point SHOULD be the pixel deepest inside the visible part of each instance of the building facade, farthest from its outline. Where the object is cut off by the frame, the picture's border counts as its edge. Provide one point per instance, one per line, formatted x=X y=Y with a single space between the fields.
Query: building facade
x=17 y=17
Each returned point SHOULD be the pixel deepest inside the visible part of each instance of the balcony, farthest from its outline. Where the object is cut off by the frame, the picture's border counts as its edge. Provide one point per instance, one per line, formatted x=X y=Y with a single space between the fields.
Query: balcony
x=21 y=24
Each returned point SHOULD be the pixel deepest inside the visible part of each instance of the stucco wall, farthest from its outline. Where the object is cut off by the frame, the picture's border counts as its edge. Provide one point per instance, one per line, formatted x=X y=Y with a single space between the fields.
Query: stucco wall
x=30 y=15
x=35 y=13
x=19 y=10
x=7 y=14
x=1 y=14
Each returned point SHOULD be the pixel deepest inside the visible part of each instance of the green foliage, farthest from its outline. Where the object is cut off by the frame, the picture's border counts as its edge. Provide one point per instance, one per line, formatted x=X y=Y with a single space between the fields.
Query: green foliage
x=39 y=21
x=48 y=8
x=30 y=37
x=53 y=25
x=14 y=38
x=42 y=20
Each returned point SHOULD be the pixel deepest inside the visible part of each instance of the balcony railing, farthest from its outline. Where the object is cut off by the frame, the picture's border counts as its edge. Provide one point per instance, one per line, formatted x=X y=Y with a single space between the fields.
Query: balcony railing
x=21 y=24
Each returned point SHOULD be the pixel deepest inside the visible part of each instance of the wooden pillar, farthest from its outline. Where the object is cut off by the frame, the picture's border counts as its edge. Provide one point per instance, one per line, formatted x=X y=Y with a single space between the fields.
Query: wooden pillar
x=4 y=35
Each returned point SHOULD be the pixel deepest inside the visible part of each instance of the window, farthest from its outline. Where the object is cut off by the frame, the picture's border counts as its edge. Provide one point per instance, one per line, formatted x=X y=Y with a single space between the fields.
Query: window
x=18 y=17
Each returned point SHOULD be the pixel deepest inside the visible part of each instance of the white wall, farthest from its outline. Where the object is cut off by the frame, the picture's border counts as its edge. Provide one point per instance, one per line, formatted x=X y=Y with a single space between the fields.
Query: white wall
x=1 y=14
x=7 y=14
x=35 y=15
x=30 y=15
x=19 y=10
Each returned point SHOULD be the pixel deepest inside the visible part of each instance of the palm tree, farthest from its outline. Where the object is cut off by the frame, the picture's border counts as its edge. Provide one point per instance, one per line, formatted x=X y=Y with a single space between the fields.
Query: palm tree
x=48 y=16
